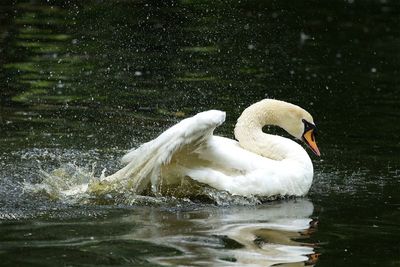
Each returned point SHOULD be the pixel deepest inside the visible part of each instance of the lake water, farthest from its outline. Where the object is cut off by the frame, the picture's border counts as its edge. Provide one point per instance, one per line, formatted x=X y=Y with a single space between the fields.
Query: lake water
x=82 y=82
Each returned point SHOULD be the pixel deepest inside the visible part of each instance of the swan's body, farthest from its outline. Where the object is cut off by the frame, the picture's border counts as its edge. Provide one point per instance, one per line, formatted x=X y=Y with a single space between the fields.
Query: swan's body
x=259 y=164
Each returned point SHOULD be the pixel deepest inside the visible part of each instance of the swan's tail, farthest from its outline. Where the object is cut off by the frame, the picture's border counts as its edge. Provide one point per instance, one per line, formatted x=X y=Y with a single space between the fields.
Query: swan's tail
x=144 y=163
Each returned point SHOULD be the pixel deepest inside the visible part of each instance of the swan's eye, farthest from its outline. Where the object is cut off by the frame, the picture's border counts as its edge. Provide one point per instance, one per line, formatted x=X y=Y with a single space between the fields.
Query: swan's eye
x=315 y=132
x=309 y=126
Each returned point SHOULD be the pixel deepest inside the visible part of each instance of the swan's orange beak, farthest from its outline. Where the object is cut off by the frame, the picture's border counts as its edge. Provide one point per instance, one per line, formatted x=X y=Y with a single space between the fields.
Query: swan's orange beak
x=309 y=139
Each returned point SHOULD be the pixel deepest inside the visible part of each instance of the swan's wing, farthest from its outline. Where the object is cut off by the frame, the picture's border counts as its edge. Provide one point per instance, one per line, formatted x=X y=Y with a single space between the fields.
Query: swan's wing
x=144 y=163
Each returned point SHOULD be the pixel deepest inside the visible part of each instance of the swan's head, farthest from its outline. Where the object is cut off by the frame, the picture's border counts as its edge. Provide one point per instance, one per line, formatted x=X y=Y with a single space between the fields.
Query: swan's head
x=300 y=124
x=295 y=120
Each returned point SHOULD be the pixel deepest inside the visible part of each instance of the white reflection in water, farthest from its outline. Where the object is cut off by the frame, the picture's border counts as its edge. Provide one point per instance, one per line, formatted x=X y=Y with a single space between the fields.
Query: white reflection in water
x=262 y=235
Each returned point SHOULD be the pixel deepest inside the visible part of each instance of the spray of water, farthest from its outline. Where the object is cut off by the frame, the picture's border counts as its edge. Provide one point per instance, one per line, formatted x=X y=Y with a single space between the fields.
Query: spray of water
x=75 y=184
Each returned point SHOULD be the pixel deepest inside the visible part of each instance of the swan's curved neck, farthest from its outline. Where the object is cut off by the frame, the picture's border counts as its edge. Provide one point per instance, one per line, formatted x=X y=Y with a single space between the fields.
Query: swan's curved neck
x=248 y=131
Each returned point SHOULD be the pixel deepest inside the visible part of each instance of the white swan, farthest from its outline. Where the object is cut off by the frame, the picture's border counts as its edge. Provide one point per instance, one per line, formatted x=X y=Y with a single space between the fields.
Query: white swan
x=259 y=164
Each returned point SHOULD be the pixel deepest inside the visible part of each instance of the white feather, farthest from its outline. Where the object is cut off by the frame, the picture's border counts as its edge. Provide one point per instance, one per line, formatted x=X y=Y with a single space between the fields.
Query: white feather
x=260 y=164
x=144 y=163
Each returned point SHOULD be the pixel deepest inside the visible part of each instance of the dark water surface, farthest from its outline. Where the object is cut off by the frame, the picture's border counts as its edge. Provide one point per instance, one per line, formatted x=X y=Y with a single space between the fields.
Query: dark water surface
x=83 y=81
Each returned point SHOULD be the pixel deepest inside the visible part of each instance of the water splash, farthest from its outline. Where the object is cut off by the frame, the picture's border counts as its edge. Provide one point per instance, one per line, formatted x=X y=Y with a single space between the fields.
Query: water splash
x=74 y=184
x=69 y=182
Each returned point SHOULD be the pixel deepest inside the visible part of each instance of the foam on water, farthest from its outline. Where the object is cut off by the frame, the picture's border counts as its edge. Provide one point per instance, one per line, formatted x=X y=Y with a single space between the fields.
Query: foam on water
x=76 y=184
x=68 y=182
x=76 y=177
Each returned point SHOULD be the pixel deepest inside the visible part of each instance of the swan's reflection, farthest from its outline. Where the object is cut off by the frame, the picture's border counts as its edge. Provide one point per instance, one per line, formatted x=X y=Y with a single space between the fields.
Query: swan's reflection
x=262 y=235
